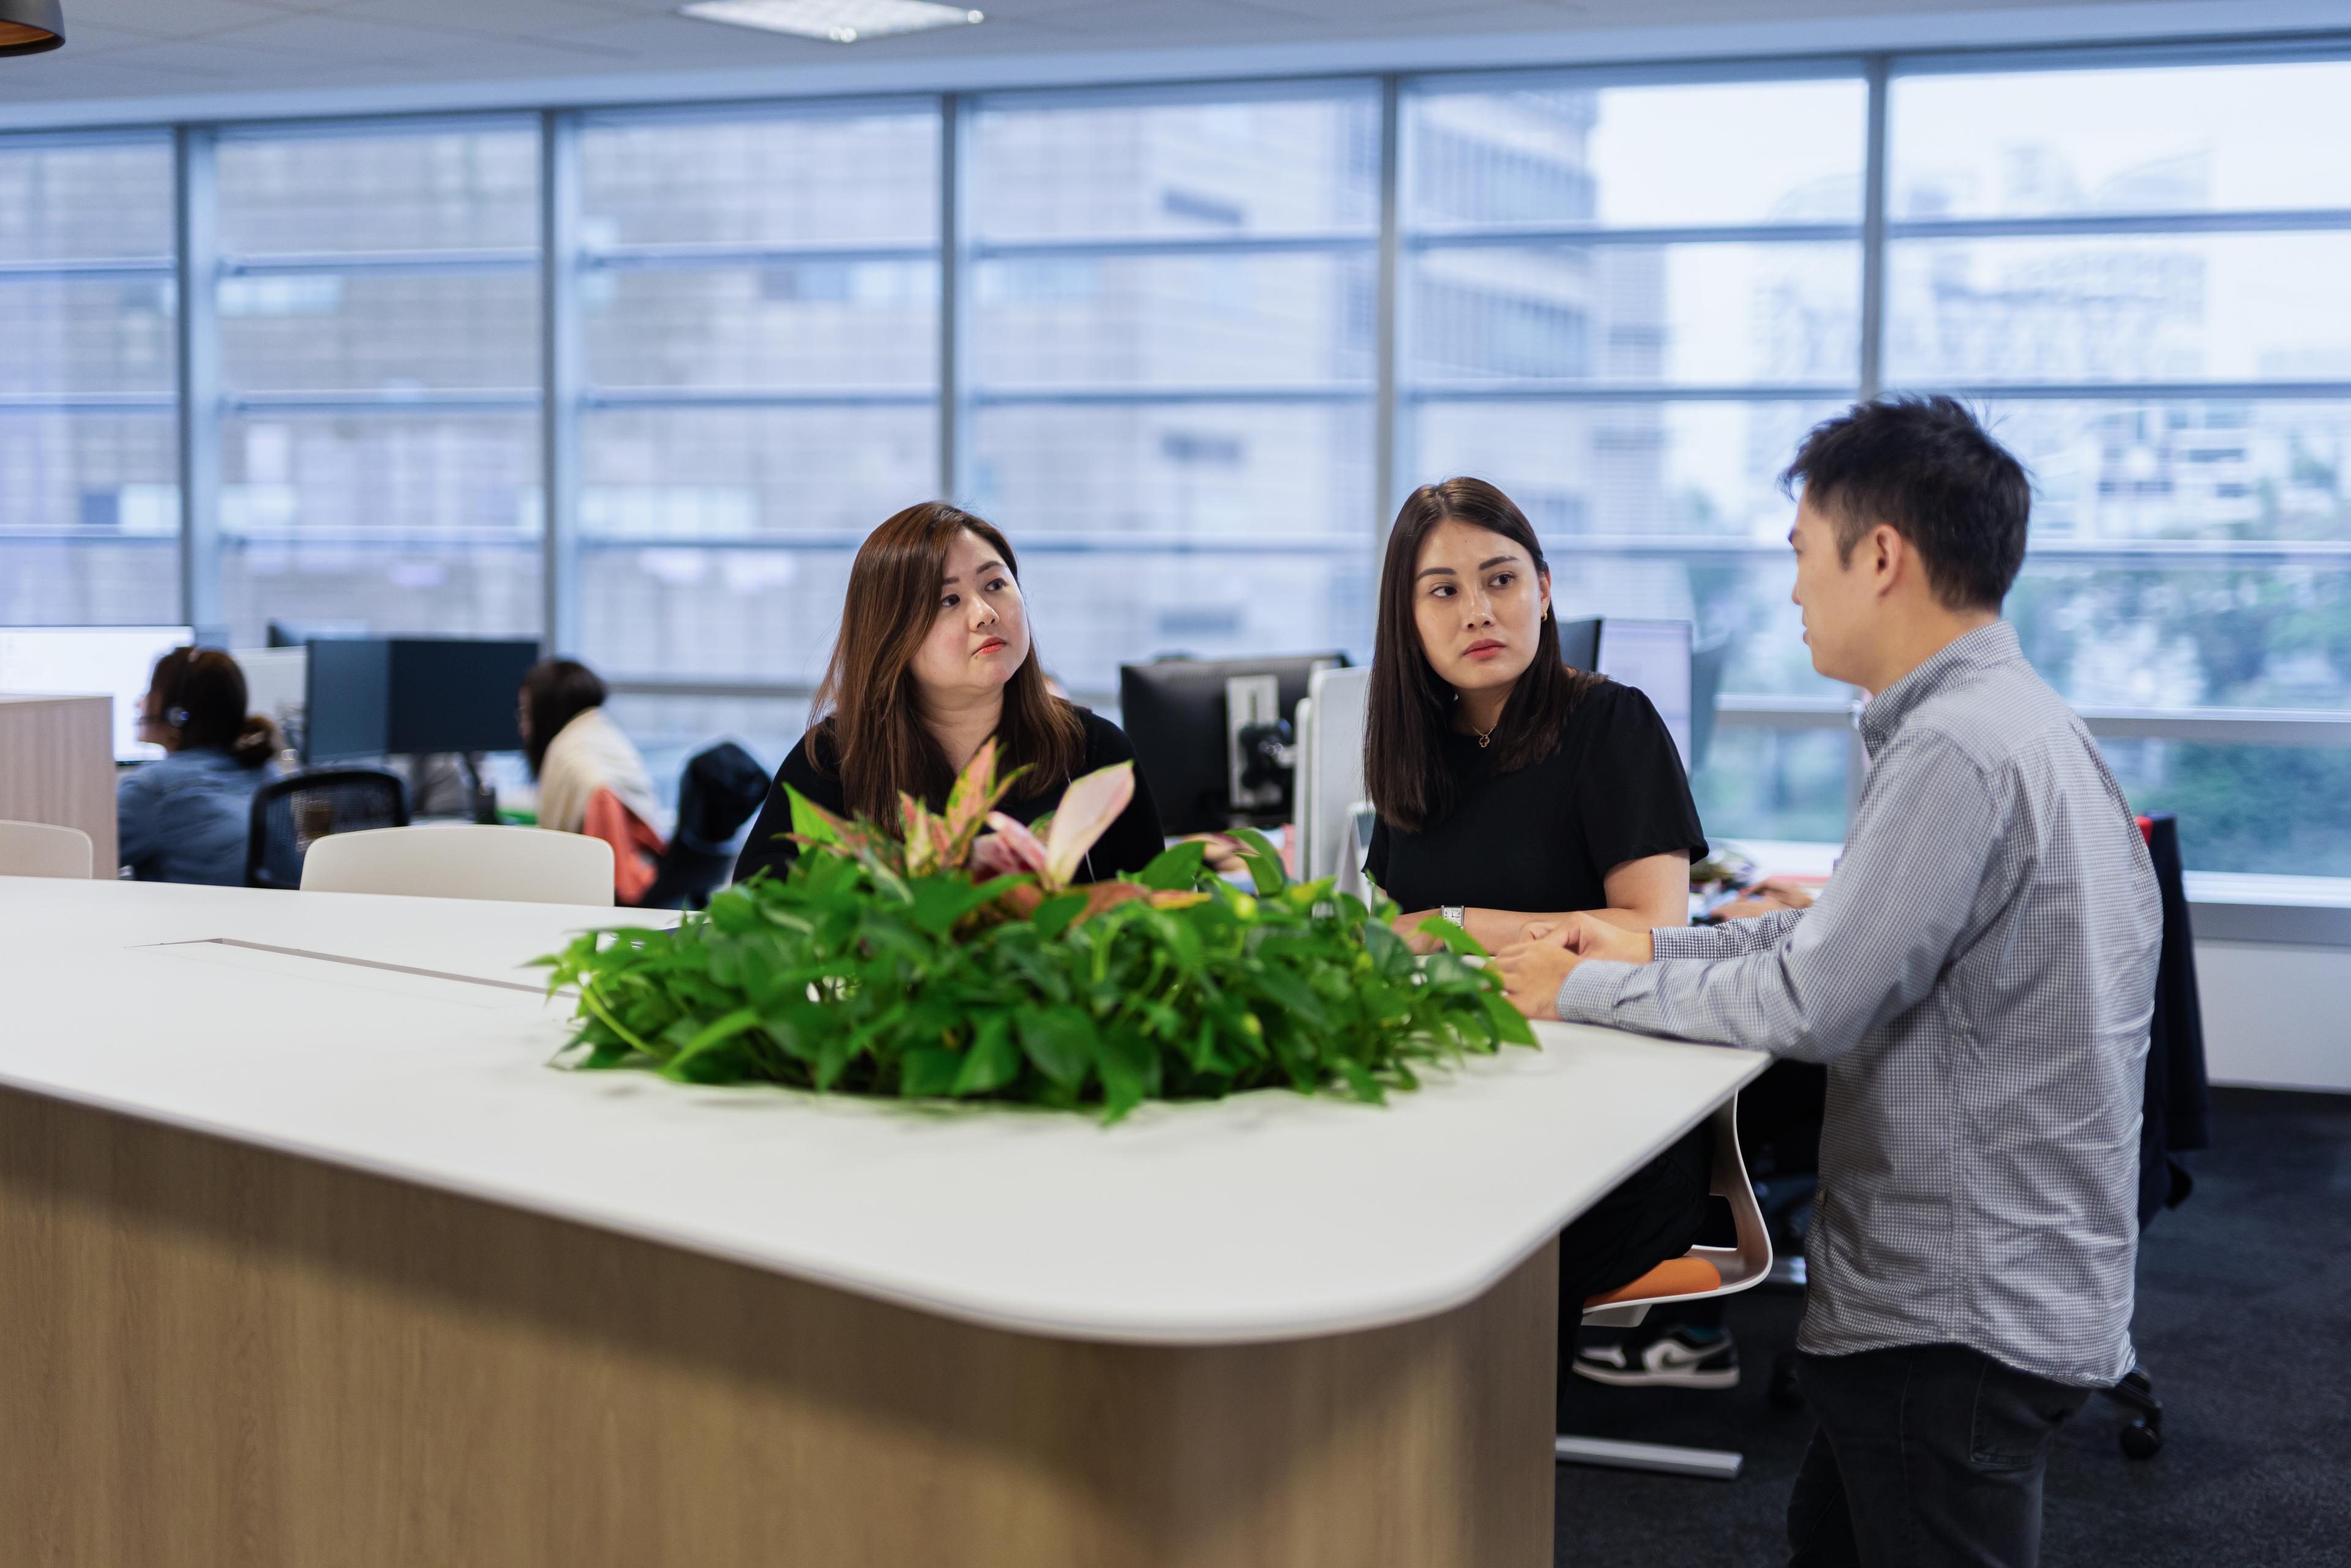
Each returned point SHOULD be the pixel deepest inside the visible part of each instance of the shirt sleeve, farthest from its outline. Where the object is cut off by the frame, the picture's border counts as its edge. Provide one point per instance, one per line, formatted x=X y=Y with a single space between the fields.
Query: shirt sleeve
x=1633 y=796
x=1868 y=951
x=140 y=799
x=1727 y=940
x=1135 y=838
x=766 y=848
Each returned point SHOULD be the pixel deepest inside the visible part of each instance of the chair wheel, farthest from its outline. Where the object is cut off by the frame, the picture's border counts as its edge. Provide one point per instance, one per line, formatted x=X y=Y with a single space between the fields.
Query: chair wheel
x=2142 y=1440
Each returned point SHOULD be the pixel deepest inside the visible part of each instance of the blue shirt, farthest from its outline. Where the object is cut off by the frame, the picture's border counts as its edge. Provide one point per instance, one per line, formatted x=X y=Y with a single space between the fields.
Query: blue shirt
x=187 y=818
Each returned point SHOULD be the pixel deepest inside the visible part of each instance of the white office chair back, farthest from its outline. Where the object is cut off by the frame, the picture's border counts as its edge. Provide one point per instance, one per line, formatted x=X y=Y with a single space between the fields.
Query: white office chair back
x=1330 y=766
x=520 y=866
x=1744 y=1265
x=37 y=849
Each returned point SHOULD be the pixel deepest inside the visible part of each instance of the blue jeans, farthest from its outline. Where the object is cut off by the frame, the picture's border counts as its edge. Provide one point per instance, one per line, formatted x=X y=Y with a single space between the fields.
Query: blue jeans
x=1926 y=1457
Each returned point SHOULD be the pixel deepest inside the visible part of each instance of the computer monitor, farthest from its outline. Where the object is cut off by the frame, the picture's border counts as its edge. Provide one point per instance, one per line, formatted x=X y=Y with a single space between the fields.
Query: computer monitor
x=1653 y=657
x=1212 y=764
x=116 y=662
x=379 y=696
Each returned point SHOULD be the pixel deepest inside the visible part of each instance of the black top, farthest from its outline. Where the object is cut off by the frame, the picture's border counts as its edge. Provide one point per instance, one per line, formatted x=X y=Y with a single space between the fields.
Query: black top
x=1127 y=845
x=1545 y=838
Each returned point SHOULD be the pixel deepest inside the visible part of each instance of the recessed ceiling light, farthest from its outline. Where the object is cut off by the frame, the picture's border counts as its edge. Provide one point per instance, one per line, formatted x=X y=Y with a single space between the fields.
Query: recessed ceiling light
x=842 y=21
x=29 y=26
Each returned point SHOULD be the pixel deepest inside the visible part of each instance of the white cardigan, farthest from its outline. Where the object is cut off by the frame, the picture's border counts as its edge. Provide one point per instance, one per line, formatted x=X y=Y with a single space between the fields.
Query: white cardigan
x=587 y=754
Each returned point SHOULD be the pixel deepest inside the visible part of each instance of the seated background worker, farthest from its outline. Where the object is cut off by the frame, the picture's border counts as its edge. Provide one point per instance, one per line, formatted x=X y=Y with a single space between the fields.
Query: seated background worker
x=933 y=657
x=1510 y=788
x=188 y=817
x=590 y=778
x=1979 y=977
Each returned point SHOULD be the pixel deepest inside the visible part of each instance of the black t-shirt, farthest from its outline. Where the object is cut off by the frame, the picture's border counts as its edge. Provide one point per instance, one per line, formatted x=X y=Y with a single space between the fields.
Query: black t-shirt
x=1127 y=845
x=1545 y=837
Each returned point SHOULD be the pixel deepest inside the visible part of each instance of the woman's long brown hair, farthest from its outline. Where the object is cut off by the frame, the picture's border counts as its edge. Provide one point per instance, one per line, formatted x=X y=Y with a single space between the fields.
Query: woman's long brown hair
x=867 y=708
x=1411 y=706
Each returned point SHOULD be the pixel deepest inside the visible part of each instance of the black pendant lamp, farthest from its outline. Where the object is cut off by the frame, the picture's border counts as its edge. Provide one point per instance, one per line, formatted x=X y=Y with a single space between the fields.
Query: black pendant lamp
x=29 y=26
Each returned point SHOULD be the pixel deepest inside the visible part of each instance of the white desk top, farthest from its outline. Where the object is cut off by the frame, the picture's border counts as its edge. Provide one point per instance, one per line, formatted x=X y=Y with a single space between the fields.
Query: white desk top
x=1268 y=1216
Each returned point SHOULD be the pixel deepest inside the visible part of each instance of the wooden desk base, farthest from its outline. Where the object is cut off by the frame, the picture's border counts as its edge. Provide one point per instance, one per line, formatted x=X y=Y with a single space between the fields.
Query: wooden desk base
x=215 y=1355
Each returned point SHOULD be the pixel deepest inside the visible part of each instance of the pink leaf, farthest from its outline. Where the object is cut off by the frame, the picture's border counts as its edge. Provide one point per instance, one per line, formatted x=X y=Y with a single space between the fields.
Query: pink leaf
x=1088 y=807
x=1009 y=850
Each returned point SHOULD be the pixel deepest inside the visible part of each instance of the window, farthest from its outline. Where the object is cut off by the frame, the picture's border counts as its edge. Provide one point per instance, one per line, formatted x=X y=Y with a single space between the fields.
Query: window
x=2143 y=279
x=1625 y=306
x=1173 y=340
x=759 y=311
x=89 y=506
x=378 y=307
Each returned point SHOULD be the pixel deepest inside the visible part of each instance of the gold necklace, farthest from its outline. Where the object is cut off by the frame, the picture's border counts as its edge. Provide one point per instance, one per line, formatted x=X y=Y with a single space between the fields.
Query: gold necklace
x=1485 y=737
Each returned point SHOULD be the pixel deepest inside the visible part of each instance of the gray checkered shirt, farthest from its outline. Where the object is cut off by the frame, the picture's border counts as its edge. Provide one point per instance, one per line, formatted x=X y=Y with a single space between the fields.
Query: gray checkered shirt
x=1978 y=978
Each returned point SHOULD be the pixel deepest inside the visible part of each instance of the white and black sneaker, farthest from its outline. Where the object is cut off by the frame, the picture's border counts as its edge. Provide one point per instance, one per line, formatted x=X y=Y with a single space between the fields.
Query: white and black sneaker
x=1675 y=1357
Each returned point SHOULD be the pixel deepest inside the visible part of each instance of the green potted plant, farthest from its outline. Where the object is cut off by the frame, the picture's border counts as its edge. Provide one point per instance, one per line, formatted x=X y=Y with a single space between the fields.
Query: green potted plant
x=954 y=958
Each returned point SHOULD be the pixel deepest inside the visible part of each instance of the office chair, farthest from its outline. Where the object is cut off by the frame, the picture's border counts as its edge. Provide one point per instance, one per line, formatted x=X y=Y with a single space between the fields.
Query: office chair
x=720 y=789
x=1700 y=1274
x=291 y=814
x=37 y=849
x=517 y=865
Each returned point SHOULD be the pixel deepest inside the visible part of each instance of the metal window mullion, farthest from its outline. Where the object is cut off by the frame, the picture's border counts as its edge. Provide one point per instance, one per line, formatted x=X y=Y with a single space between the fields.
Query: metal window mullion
x=197 y=245
x=559 y=380
x=955 y=298
x=1387 y=439
x=1873 y=232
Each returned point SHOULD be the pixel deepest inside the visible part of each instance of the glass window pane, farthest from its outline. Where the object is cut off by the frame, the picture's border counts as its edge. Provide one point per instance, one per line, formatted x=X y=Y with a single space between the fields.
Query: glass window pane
x=809 y=323
x=2264 y=809
x=716 y=541
x=462 y=187
x=1237 y=472
x=1775 y=783
x=1684 y=314
x=399 y=522
x=88 y=336
x=1684 y=154
x=2184 y=476
x=1219 y=319
x=2155 y=307
x=832 y=178
x=379 y=332
x=1236 y=165
x=2174 y=139
x=85 y=198
x=2185 y=635
x=89 y=519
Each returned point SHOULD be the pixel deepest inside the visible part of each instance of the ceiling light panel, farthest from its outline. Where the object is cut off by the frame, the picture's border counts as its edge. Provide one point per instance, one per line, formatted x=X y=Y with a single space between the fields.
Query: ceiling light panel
x=839 y=21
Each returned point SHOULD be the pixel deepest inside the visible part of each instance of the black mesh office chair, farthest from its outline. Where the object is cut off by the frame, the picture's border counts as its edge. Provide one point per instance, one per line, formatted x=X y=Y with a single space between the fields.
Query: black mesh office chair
x=721 y=788
x=290 y=814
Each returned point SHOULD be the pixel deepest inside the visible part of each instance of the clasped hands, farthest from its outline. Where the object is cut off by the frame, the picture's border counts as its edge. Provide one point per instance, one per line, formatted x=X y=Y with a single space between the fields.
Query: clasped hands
x=1533 y=967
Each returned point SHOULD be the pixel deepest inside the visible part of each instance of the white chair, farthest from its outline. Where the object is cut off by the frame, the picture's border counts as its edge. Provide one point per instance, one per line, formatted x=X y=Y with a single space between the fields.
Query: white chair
x=37 y=849
x=1700 y=1273
x=520 y=866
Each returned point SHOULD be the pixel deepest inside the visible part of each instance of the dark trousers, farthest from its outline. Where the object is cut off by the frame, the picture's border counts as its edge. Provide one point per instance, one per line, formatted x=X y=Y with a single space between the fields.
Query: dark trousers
x=1926 y=1457
x=1652 y=1215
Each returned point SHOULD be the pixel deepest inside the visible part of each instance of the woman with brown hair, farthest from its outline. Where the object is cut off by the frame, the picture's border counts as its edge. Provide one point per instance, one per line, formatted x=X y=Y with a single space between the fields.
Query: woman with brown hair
x=188 y=818
x=1512 y=789
x=933 y=657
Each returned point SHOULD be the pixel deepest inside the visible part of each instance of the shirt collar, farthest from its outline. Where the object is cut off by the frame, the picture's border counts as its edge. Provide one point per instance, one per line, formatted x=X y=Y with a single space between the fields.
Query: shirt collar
x=1984 y=648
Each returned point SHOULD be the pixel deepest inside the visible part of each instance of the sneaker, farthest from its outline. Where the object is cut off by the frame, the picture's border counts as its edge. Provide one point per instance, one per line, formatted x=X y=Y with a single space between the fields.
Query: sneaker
x=1679 y=1357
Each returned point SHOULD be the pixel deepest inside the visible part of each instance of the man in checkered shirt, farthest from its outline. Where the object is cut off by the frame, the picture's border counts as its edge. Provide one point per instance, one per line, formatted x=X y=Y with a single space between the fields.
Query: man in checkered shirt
x=1979 y=977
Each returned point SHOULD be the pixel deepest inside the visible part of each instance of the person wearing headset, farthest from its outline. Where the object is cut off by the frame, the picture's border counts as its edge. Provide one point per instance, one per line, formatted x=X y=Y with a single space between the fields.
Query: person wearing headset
x=188 y=817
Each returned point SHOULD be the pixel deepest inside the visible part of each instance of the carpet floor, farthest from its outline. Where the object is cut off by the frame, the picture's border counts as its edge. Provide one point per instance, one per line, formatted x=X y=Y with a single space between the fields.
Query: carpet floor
x=2243 y=1320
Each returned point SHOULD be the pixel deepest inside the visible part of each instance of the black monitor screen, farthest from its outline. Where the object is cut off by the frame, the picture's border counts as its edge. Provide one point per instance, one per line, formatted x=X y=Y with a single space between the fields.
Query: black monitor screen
x=345 y=699
x=457 y=694
x=1174 y=712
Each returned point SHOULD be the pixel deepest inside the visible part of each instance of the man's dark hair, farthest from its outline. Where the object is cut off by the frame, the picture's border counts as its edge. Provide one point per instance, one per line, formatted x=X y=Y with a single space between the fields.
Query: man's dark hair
x=1926 y=469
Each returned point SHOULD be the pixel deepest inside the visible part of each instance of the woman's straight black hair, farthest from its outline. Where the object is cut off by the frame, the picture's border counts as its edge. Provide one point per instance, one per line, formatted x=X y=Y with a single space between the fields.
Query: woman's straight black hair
x=1411 y=707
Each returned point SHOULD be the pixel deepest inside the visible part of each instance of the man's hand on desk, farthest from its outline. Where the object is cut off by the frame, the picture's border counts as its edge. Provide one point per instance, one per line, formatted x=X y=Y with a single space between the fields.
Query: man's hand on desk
x=1766 y=897
x=1532 y=969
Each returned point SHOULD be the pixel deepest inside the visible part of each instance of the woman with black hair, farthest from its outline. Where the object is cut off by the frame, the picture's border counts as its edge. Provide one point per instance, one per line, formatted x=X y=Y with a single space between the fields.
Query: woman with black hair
x=1512 y=790
x=590 y=778
x=188 y=817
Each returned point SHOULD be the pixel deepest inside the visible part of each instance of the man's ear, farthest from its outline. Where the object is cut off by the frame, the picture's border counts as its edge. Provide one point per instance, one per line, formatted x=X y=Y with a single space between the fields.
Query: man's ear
x=1891 y=557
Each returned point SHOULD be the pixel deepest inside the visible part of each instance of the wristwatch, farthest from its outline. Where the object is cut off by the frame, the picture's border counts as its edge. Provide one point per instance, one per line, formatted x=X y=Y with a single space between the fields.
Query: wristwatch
x=1454 y=912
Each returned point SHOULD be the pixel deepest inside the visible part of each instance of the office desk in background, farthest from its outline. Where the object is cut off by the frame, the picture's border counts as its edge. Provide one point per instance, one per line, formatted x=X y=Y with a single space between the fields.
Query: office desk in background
x=312 y=1260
